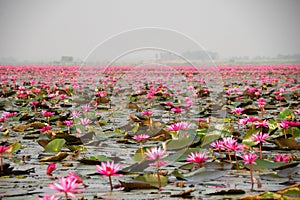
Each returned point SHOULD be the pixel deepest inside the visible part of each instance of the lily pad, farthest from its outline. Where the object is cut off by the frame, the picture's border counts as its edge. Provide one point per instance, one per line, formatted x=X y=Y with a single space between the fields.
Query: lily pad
x=206 y=175
x=152 y=179
x=55 y=145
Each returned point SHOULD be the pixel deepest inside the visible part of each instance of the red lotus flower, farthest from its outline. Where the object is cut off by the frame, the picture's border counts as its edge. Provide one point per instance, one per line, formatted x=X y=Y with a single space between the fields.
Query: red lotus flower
x=47 y=113
x=51 y=167
x=147 y=112
x=45 y=128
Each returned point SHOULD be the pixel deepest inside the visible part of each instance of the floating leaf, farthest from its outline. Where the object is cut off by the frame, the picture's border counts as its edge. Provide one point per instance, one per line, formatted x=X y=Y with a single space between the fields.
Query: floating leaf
x=228 y=192
x=286 y=114
x=94 y=160
x=138 y=155
x=55 y=145
x=262 y=164
x=136 y=185
x=180 y=143
x=58 y=157
x=152 y=179
x=178 y=175
x=14 y=147
x=287 y=143
x=137 y=167
x=80 y=148
x=209 y=138
x=206 y=175
x=99 y=158
x=186 y=193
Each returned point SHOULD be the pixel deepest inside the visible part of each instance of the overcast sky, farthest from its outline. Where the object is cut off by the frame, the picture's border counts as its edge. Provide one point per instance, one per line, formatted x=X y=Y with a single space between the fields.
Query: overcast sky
x=43 y=30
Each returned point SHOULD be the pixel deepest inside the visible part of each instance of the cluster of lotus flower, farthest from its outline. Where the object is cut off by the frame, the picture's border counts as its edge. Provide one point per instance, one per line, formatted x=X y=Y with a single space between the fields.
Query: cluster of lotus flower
x=73 y=184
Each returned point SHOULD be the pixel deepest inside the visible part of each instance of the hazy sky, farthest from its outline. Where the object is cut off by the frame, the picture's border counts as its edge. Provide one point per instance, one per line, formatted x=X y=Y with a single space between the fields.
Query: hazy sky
x=43 y=30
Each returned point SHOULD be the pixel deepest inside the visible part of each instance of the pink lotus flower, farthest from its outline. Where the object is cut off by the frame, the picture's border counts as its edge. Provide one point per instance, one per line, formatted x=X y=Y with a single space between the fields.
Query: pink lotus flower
x=51 y=167
x=218 y=145
x=263 y=123
x=3 y=149
x=86 y=108
x=147 y=113
x=109 y=169
x=75 y=114
x=249 y=159
x=67 y=186
x=85 y=121
x=72 y=175
x=155 y=153
x=63 y=96
x=177 y=109
x=47 y=113
x=243 y=121
x=140 y=137
x=45 y=128
x=178 y=126
x=261 y=102
x=228 y=142
x=8 y=114
x=52 y=95
x=260 y=137
x=237 y=111
x=168 y=103
x=2 y=119
x=68 y=122
x=281 y=158
x=51 y=197
x=198 y=157
x=284 y=124
x=34 y=103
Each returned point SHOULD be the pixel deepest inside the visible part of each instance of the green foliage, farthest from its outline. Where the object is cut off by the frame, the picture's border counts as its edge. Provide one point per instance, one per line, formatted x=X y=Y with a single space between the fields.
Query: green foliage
x=55 y=145
x=286 y=114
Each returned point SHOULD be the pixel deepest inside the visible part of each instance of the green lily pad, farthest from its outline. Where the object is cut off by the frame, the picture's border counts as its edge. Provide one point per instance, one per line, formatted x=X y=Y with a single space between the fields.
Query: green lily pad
x=262 y=164
x=152 y=179
x=206 y=175
x=286 y=114
x=138 y=155
x=55 y=145
x=209 y=138
x=179 y=143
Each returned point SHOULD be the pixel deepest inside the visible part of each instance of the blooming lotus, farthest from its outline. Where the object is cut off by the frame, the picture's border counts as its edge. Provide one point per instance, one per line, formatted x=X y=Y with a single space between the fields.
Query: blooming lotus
x=259 y=138
x=156 y=154
x=198 y=157
x=67 y=186
x=109 y=169
x=281 y=158
x=2 y=150
x=250 y=159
